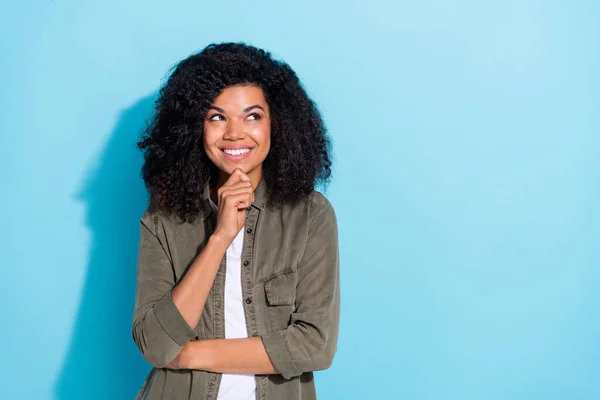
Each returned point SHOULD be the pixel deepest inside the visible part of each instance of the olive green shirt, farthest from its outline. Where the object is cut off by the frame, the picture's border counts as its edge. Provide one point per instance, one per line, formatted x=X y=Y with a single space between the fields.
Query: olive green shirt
x=290 y=286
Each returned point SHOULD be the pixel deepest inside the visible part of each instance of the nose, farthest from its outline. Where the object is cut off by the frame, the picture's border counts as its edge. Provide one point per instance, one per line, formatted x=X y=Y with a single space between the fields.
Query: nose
x=235 y=130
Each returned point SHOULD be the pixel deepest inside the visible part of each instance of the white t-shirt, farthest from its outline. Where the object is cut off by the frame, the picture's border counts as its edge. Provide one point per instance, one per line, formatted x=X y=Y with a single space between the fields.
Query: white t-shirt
x=235 y=386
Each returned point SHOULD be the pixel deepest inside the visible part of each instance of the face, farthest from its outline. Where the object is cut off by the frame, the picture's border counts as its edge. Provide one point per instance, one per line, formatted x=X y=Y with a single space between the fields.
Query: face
x=237 y=131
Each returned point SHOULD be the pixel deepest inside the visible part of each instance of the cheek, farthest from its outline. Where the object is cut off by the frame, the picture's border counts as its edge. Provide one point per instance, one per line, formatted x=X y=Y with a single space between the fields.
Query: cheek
x=266 y=139
x=209 y=137
x=263 y=137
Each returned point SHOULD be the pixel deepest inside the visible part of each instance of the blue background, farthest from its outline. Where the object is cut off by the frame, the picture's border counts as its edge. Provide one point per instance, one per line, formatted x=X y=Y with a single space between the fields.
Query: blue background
x=467 y=187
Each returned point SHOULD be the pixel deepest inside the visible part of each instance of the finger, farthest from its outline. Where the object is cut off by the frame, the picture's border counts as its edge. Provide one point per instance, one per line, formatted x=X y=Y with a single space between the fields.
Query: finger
x=235 y=186
x=237 y=176
x=239 y=200
x=242 y=175
x=235 y=191
x=238 y=185
x=235 y=194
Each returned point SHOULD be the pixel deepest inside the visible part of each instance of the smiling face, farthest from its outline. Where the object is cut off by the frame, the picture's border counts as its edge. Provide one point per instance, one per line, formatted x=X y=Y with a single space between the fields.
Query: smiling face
x=237 y=131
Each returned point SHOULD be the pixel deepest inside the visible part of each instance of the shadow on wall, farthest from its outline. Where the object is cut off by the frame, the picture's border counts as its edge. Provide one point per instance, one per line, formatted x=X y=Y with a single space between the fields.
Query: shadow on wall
x=102 y=361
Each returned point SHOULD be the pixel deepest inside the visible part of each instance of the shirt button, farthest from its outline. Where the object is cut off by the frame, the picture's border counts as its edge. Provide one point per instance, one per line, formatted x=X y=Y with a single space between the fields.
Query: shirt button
x=248 y=301
x=249 y=230
x=246 y=263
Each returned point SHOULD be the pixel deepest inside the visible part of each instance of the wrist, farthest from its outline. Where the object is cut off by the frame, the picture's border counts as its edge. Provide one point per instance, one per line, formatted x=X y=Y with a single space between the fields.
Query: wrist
x=219 y=240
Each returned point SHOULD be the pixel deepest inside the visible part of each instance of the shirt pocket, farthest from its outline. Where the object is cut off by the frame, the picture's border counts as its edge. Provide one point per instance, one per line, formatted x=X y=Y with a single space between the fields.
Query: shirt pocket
x=280 y=292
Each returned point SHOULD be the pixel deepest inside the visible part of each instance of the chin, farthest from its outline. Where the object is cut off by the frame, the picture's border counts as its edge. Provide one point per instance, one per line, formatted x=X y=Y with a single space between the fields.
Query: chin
x=229 y=168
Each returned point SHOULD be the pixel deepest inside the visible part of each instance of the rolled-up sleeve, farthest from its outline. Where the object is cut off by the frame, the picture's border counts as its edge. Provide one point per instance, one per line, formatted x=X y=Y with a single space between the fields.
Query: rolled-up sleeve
x=159 y=330
x=309 y=343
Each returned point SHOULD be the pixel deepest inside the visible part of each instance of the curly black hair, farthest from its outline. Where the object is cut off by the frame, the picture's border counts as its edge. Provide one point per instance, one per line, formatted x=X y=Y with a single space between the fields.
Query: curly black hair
x=176 y=168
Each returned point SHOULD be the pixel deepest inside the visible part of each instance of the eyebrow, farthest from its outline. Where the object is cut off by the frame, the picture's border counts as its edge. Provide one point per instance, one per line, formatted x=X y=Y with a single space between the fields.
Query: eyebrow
x=253 y=107
x=218 y=109
x=245 y=109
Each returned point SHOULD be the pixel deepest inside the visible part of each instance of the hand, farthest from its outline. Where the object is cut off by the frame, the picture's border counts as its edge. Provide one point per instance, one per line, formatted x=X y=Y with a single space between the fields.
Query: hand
x=235 y=196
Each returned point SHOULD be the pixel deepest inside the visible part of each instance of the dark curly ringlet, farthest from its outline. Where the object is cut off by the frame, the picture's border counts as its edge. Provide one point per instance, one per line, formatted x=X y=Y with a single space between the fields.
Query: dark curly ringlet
x=176 y=168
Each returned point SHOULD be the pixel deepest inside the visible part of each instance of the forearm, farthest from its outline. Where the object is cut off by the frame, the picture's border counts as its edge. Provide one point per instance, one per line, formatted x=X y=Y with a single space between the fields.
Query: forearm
x=232 y=356
x=190 y=294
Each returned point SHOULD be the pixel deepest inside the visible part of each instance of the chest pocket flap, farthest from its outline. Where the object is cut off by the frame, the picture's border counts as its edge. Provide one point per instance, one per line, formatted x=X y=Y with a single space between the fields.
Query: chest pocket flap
x=281 y=290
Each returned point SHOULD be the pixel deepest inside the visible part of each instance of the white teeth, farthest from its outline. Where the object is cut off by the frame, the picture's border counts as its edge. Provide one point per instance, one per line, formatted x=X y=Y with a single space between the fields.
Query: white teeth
x=237 y=152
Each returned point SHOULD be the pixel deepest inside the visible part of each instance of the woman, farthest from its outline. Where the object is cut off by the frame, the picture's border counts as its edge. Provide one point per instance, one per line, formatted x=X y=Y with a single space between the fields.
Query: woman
x=238 y=274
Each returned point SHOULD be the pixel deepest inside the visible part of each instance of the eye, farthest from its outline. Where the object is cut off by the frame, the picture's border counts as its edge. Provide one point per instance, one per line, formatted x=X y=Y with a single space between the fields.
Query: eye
x=254 y=117
x=216 y=117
